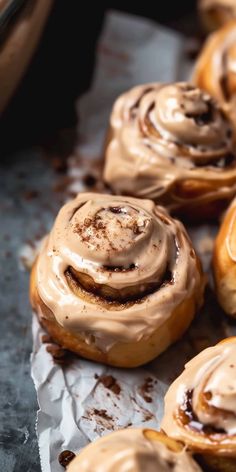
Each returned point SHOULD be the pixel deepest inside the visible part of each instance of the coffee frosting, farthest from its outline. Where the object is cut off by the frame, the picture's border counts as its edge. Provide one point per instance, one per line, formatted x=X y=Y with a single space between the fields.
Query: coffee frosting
x=209 y=379
x=164 y=134
x=121 y=243
x=131 y=450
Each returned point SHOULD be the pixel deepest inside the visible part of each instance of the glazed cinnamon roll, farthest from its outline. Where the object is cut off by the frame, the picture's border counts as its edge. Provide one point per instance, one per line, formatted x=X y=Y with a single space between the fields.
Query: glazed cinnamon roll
x=224 y=262
x=172 y=143
x=134 y=450
x=117 y=280
x=200 y=406
x=215 y=68
x=215 y=13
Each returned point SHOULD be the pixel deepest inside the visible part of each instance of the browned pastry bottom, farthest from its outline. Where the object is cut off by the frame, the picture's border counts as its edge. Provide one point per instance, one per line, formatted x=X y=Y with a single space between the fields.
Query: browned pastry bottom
x=209 y=211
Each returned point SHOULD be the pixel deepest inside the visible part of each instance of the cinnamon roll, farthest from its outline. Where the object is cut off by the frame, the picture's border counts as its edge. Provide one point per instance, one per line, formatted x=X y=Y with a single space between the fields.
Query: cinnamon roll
x=224 y=262
x=215 y=68
x=172 y=143
x=134 y=450
x=215 y=13
x=200 y=406
x=117 y=280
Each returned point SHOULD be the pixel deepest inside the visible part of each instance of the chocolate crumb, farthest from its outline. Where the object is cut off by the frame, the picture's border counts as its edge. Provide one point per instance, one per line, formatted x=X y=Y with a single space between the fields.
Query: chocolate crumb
x=89 y=180
x=56 y=351
x=60 y=356
x=30 y=194
x=102 y=413
x=171 y=464
x=146 y=388
x=116 y=210
x=111 y=383
x=96 y=376
x=65 y=458
x=59 y=164
x=148 y=417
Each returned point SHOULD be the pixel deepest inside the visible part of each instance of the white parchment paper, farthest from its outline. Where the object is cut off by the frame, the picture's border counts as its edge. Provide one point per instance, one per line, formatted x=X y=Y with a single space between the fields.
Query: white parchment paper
x=78 y=402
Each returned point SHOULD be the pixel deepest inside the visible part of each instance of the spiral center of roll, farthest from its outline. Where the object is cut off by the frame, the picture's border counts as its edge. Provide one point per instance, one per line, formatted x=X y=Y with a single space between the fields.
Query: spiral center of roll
x=221 y=386
x=186 y=115
x=214 y=398
x=112 y=230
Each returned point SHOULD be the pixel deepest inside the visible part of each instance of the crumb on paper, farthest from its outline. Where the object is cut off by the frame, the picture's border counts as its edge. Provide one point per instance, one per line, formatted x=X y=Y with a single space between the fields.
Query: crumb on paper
x=147 y=388
x=110 y=383
x=103 y=420
x=65 y=457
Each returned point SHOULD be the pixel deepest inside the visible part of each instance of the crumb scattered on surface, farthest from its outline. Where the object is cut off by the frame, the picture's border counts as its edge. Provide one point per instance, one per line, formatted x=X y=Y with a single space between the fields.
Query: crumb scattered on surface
x=111 y=383
x=146 y=389
x=65 y=458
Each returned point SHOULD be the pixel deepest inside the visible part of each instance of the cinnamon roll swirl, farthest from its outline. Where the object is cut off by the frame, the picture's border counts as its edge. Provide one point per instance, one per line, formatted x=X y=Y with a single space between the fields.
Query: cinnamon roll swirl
x=215 y=68
x=215 y=13
x=224 y=262
x=116 y=280
x=134 y=450
x=172 y=143
x=200 y=406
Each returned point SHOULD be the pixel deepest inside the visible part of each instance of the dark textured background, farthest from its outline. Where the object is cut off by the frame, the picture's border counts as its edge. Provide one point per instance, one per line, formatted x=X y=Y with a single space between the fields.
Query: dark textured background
x=27 y=206
x=62 y=66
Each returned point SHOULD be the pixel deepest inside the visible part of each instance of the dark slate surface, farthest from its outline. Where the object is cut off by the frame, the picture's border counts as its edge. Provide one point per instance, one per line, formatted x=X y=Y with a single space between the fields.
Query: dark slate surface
x=27 y=205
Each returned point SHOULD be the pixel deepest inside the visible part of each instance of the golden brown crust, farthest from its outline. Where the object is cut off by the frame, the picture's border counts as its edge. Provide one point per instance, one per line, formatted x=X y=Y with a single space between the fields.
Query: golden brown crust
x=223 y=263
x=214 y=70
x=122 y=354
x=210 y=211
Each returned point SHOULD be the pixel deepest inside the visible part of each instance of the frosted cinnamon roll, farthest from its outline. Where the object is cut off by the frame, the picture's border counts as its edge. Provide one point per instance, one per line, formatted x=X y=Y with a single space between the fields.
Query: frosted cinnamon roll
x=172 y=143
x=134 y=450
x=215 y=68
x=200 y=406
x=224 y=262
x=215 y=13
x=117 y=280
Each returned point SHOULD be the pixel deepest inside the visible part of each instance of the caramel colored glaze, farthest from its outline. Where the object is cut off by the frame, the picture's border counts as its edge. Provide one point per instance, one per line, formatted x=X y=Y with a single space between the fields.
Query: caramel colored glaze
x=224 y=262
x=173 y=144
x=116 y=272
x=200 y=406
x=134 y=450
